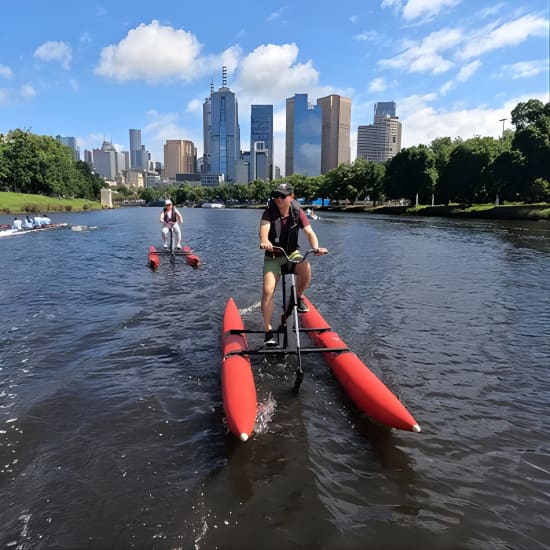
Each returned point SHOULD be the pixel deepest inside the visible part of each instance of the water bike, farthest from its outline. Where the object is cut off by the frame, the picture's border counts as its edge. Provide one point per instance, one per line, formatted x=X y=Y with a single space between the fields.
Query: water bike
x=170 y=250
x=364 y=388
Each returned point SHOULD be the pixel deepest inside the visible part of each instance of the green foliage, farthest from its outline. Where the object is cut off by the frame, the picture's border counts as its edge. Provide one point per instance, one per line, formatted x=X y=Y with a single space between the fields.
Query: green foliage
x=410 y=173
x=35 y=164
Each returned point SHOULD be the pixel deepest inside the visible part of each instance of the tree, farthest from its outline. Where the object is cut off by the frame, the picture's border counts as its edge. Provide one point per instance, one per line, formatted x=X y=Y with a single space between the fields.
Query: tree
x=411 y=174
x=465 y=178
x=506 y=173
x=532 y=138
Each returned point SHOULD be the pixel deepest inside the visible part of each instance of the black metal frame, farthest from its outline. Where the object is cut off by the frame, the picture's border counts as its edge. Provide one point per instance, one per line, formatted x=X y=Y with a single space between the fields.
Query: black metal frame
x=290 y=309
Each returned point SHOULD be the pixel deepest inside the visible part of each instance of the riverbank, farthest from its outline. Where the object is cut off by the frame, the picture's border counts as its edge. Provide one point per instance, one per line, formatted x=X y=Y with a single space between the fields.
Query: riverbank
x=20 y=203
x=487 y=211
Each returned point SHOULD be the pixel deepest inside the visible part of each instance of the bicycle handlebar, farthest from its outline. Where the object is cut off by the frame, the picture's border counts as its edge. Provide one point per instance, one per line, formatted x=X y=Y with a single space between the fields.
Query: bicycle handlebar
x=297 y=261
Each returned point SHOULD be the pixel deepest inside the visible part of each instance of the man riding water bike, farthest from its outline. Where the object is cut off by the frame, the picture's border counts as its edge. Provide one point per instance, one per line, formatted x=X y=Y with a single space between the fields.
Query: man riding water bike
x=170 y=218
x=279 y=227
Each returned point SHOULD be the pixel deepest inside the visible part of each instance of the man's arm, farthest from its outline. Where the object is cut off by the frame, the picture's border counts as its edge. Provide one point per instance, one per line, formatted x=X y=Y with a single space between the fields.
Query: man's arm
x=264 y=235
x=312 y=238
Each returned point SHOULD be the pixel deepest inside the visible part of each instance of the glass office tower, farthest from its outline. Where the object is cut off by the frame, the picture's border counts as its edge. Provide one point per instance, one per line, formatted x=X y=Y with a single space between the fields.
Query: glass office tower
x=261 y=132
x=303 y=137
x=225 y=138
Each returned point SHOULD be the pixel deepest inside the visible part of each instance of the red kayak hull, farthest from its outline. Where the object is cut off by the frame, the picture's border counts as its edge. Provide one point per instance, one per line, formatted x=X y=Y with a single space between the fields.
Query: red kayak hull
x=364 y=388
x=238 y=388
x=153 y=259
x=192 y=259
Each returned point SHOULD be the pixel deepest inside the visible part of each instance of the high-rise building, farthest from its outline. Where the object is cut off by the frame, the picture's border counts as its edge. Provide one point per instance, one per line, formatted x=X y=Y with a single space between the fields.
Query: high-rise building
x=139 y=156
x=384 y=109
x=105 y=161
x=335 y=132
x=180 y=157
x=303 y=137
x=206 y=126
x=71 y=143
x=381 y=140
x=261 y=142
x=224 y=136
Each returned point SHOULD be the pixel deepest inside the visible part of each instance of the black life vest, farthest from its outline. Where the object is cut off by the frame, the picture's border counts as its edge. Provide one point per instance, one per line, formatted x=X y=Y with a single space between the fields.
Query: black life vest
x=290 y=243
x=170 y=218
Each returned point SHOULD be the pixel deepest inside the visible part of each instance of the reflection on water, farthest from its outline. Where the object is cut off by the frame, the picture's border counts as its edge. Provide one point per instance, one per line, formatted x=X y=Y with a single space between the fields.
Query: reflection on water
x=111 y=423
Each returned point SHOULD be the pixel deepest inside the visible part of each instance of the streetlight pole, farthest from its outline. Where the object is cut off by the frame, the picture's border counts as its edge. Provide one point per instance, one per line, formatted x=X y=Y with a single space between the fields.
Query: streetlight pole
x=503 y=120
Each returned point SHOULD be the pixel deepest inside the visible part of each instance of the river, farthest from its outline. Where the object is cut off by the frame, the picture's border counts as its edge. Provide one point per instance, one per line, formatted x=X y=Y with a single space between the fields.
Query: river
x=112 y=430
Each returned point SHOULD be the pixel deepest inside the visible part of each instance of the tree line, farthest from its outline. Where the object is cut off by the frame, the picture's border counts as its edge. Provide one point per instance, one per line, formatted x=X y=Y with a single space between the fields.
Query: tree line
x=30 y=163
x=514 y=168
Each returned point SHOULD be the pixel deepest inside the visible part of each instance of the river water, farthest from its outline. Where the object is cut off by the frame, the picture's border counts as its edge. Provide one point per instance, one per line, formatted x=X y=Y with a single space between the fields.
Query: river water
x=112 y=431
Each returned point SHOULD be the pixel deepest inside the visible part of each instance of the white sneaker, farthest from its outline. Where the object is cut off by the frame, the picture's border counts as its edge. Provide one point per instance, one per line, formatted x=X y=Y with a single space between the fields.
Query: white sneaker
x=165 y=246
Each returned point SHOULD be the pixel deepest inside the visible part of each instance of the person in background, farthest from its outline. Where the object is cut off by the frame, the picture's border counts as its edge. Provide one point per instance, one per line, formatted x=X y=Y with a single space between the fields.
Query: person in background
x=17 y=224
x=46 y=219
x=280 y=226
x=170 y=217
x=28 y=222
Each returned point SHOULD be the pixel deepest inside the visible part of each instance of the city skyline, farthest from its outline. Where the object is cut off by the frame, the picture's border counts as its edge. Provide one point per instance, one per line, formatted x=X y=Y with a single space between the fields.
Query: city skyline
x=454 y=68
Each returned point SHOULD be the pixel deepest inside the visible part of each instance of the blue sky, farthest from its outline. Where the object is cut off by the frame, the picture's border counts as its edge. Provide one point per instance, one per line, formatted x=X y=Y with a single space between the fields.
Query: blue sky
x=94 y=70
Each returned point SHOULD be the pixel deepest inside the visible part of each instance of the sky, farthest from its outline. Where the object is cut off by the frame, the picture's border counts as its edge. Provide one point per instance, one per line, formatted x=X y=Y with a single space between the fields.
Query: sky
x=92 y=71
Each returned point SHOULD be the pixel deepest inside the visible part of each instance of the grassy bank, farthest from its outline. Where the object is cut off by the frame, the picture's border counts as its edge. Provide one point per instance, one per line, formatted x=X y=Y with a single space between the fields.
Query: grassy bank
x=487 y=211
x=17 y=203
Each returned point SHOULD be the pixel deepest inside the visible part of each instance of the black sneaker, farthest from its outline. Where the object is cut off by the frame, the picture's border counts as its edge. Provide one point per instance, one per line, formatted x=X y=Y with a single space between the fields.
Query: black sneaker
x=302 y=308
x=269 y=340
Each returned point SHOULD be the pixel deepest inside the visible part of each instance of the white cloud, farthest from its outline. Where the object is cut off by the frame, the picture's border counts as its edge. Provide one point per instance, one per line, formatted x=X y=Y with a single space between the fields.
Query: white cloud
x=464 y=74
x=152 y=52
x=415 y=9
x=5 y=71
x=377 y=85
x=422 y=122
x=27 y=91
x=3 y=96
x=277 y=14
x=55 y=51
x=367 y=36
x=271 y=73
x=525 y=69
x=511 y=33
x=467 y=71
x=425 y=55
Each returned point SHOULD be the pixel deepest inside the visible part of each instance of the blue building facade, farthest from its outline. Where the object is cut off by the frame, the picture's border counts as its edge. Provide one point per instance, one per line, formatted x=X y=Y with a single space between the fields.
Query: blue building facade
x=303 y=137
x=225 y=139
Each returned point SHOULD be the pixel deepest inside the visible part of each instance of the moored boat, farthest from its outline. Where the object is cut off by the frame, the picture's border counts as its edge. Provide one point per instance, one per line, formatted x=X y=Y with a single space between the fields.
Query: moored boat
x=238 y=388
x=364 y=388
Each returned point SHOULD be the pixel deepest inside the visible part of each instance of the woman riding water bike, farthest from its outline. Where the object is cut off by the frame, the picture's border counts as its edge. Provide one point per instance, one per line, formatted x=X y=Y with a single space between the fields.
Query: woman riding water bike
x=171 y=218
x=279 y=227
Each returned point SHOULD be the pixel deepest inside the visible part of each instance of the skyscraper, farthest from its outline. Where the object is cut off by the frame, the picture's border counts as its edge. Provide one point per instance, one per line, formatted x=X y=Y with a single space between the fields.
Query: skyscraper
x=303 y=137
x=381 y=140
x=335 y=132
x=180 y=157
x=139 y=156
x=224 y=135
x=384 y=109
x=261 y=139
x=70 y=142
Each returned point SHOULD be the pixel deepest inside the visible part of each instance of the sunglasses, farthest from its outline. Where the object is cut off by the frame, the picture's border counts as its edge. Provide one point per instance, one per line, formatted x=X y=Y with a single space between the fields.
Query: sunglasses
x=279 y=196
